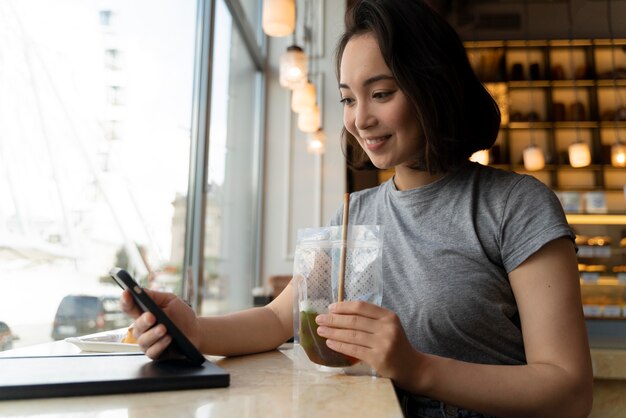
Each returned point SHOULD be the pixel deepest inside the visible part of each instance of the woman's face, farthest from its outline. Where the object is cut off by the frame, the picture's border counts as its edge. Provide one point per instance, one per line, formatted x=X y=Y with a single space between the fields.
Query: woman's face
x=376 y=111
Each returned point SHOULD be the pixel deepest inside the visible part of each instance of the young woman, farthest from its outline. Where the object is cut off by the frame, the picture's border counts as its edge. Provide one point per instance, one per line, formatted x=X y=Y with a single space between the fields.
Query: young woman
x=481 y=305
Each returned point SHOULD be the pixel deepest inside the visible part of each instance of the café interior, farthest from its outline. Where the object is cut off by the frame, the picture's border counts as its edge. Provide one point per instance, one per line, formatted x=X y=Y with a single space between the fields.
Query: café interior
x=188 y=141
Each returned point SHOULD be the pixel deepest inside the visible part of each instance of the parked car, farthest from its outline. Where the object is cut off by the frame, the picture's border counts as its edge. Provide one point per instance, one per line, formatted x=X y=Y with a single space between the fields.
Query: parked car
x=6 y=337
x=87 y=314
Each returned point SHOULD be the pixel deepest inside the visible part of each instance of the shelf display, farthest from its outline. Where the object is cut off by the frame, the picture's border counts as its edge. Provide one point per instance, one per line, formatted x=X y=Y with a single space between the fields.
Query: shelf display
x=568 y=98
x=565 y=101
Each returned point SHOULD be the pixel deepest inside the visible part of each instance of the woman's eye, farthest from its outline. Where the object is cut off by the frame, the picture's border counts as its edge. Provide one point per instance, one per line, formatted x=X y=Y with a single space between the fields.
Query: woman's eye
x=381 y=95
x=346 y=101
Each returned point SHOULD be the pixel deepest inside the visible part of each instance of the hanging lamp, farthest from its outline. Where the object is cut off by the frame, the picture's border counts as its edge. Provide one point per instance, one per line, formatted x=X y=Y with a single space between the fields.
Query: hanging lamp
x=316 y=142
x=293 y=68
x=533 y=158
x=579 y=154
x=303 y=97
x=618 y=150
x=618 y=154
x=279 y=17
x=309 y=121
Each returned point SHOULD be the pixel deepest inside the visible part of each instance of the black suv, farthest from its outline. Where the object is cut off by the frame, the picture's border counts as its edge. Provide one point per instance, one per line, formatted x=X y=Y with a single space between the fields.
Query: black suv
x=85 y=314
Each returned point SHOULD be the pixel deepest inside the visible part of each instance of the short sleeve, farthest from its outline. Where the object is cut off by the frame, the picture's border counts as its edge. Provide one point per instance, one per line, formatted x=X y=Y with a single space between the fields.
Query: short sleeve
x=532 y=217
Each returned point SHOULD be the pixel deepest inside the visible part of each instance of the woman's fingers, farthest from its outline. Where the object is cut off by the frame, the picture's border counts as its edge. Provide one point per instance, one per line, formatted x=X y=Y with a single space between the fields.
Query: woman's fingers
x=358 y=307
x=156 y=350
x=346 y=335
x=151 y=339
x=128 y=305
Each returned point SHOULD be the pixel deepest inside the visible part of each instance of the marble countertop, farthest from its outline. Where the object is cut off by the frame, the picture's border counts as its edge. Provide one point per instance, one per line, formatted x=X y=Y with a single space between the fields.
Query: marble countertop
x=261 y=385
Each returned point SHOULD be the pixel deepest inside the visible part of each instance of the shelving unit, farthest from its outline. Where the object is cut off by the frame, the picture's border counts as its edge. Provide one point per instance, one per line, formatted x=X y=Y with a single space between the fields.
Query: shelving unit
x=551 y=93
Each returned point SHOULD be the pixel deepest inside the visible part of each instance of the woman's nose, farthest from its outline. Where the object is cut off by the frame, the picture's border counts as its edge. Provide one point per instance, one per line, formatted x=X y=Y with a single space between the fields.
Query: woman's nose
x=364 y=118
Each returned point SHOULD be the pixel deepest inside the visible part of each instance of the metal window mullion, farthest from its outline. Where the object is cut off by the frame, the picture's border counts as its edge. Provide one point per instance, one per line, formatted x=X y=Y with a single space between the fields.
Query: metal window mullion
x=199 y=154
x=247 y=33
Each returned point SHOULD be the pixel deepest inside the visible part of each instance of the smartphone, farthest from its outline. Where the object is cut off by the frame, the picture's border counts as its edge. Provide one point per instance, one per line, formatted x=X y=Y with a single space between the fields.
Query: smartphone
x=180 y=343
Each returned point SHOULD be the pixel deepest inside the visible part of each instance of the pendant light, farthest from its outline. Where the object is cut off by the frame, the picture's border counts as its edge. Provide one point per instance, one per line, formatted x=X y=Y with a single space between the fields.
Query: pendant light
x=279 y=17
x=481 y=157
x=316 y=142
x=618 y=154
x=309 y=121
x=579 y=151
x=533 y=158
x=303 y=97
x=293 y=68
x=618 y=150
x=579 y=154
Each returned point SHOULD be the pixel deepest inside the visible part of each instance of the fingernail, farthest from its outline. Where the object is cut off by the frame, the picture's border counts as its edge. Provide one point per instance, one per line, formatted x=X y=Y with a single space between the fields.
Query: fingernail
x=160 y=330
x=321 y=319
x=332 y=307
x=150 y=320
x=322 y=330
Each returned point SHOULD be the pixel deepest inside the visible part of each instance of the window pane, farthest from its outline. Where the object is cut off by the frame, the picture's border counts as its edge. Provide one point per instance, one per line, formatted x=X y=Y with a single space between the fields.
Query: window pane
x=231 y=203
x=95 y=118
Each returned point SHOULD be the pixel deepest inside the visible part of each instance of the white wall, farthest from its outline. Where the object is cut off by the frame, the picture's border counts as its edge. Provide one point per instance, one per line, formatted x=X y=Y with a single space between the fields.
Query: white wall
x=301 y=190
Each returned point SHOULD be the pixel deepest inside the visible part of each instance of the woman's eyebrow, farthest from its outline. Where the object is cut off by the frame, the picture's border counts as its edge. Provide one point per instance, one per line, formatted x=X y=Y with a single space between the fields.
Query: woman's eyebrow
x=370 y=80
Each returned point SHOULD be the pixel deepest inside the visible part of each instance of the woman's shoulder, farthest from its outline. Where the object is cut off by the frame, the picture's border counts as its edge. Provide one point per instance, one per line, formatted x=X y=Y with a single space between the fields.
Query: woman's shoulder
x=504 y=180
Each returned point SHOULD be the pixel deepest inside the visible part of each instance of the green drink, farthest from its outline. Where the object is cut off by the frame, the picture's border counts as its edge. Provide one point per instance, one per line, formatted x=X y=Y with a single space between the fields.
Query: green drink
x=315 y=346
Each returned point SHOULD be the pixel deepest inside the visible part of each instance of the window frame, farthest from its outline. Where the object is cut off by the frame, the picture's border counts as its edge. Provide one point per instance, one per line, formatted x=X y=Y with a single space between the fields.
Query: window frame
x=195 y=226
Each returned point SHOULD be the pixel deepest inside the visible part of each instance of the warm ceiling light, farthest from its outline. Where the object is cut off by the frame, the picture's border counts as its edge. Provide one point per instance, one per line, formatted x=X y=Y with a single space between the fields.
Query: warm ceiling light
x=294 y=68
x=533 y=158
x=316 y=142
x=309 y=121
x=279 y=17
x=303 y=97
x=481 y=157
x=579 y=154
x=618 y=155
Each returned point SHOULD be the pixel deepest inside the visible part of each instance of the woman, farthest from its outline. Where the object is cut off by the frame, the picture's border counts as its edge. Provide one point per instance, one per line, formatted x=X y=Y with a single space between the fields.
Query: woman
x=481 y=307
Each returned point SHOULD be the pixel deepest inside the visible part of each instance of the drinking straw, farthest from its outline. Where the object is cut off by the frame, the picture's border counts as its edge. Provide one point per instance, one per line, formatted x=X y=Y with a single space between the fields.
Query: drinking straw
x=344 y=239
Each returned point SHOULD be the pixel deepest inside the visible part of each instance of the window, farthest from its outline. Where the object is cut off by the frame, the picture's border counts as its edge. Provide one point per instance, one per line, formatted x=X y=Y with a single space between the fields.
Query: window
x=79 y=194
x=233 y=179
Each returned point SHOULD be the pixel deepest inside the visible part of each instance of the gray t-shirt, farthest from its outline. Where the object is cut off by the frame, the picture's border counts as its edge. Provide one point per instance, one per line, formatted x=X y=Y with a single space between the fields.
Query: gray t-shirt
x=448 y=248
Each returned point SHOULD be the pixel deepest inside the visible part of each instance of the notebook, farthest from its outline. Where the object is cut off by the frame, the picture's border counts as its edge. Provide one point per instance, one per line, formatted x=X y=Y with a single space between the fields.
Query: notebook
x=80 y=375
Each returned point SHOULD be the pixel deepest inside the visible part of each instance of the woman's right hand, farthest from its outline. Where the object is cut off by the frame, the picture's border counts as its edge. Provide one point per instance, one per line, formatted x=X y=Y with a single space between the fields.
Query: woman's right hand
x=154 y=339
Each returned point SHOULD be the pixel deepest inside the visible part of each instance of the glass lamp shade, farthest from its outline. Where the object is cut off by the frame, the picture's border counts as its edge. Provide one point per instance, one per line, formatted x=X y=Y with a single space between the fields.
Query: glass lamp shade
x=309 y=121
x=316 y=142
x=303 y=97
x=294 y=68
x=481 y=157
x=579 y=154
x=279 y=17
x=618 y=155
x=533 y=158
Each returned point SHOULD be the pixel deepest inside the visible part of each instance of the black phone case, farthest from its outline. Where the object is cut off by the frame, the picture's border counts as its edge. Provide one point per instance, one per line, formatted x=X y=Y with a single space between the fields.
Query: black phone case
x=179 y=341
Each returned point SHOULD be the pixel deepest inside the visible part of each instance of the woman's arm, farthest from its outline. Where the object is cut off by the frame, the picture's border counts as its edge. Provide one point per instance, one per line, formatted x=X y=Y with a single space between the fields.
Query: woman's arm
x=556 y=382
x=249 y=331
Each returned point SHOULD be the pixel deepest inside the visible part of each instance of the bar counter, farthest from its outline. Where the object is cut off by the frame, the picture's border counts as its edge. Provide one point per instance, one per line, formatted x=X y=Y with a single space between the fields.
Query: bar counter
x=261 y=385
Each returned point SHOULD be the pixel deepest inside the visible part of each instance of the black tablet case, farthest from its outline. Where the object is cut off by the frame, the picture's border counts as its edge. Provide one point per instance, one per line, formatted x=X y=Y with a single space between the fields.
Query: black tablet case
x=80 y=375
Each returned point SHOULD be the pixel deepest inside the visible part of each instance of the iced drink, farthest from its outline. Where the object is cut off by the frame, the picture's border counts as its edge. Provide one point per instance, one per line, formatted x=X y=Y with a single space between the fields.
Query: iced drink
x=315 y=346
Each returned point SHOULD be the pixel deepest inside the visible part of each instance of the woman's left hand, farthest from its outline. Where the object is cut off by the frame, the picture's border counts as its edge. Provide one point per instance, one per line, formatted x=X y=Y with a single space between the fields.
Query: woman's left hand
x=371 y=334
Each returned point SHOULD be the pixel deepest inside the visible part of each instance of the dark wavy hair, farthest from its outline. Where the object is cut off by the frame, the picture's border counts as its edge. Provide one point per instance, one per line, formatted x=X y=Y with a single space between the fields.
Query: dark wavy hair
x=428 y=60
